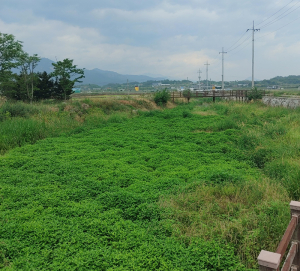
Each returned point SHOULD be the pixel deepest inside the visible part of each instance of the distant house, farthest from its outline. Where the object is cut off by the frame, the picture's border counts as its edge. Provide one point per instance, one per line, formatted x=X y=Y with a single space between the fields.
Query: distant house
x=76 y=90
x=156 y=85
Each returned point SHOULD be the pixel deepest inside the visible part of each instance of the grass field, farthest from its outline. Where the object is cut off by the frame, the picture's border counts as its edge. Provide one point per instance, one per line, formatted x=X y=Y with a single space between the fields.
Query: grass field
x=121 y=185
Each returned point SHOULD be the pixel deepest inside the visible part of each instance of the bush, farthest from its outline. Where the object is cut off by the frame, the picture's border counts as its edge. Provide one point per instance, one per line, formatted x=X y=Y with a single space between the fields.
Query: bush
x=162 y=97
x=255 y=94
x=187 y=94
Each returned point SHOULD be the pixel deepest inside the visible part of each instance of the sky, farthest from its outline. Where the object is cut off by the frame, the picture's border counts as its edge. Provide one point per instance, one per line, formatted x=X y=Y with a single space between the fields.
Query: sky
x=171 y=38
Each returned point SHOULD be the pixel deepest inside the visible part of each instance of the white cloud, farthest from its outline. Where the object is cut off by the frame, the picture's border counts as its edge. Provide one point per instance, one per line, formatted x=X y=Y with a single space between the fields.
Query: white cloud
x=170 y=37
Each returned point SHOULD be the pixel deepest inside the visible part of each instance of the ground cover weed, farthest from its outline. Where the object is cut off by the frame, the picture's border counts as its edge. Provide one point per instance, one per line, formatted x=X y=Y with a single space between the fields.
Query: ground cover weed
x=191 y=188
x=95 y=193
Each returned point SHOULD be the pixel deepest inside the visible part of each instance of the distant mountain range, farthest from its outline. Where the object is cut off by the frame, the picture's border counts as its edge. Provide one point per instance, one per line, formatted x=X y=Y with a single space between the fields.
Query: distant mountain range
x=99 y=77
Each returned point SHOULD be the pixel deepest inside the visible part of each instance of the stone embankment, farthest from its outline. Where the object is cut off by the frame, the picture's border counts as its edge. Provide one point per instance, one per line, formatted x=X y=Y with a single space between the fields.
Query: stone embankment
x=290 y=102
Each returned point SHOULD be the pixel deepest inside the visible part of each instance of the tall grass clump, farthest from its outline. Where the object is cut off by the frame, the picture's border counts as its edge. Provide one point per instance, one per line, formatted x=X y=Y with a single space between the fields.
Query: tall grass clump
x=17 y=109
x=23 y=123
x=251 y=216
x=17 y=132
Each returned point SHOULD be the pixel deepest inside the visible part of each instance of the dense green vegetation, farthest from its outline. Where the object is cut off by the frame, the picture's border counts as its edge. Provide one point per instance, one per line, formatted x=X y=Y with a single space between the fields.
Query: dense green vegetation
x=282 y=80
x=198 y=187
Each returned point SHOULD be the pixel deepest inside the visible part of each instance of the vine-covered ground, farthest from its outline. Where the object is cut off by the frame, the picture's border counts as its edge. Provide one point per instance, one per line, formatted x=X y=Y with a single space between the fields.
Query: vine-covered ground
x=188 y=188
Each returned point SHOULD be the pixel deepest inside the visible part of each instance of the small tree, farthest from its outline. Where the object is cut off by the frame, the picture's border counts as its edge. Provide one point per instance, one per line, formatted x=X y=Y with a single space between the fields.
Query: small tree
x=255 y=94
x=187 y=94
x=67 y=75
x=162 y=97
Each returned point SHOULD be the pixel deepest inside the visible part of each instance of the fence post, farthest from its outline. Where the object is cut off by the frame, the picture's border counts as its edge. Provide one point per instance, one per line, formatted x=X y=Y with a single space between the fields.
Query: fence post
x=268 y=261
x=295 y=211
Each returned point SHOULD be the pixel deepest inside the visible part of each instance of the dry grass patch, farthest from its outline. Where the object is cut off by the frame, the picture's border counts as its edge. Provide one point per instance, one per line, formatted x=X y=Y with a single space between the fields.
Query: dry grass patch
x=244 y=215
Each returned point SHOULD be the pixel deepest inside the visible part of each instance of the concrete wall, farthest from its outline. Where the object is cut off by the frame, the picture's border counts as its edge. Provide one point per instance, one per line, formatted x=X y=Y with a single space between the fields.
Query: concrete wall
x=281 y=101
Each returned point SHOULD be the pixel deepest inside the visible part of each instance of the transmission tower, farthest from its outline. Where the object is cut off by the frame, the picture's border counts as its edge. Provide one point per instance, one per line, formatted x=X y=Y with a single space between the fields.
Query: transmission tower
x=206 y=74
x=199 y=77
x=222 y=66
x=253 y=30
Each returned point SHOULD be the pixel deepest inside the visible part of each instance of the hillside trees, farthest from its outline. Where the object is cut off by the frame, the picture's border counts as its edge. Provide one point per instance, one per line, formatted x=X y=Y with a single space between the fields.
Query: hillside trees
x=29 y=85
x=67 y=75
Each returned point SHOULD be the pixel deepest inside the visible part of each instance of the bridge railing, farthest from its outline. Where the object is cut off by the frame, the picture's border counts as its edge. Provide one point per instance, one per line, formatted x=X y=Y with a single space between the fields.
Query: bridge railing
x=270 y=261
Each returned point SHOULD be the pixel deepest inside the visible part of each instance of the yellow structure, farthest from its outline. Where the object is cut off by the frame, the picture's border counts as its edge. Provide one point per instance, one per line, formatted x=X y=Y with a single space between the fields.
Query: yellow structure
x=137 y=88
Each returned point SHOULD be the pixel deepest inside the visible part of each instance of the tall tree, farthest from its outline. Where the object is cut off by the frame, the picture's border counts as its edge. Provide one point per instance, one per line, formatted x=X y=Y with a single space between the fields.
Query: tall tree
x=45 y=87
x=28 y=64
x=10 y=51
x=67 y=74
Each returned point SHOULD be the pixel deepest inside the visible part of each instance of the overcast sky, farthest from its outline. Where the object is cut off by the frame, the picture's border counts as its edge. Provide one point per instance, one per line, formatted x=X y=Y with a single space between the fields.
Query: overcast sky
x=172 y=38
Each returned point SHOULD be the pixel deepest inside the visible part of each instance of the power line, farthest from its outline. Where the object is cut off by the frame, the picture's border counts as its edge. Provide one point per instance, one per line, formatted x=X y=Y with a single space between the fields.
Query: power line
x=276 y=19
x=275 y=13
x=240 y=43
x=278 y=28
x=237 y=40
x=241 y=48
x=280 y=16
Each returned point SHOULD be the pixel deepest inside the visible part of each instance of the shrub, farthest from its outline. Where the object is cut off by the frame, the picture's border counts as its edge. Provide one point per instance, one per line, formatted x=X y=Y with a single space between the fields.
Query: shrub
x=162 y=97
x=187 y=94
x=187 y=114
x=255 y=94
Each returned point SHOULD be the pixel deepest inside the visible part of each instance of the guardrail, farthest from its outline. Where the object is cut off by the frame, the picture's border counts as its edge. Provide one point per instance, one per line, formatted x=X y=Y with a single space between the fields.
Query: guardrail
x=237 y=94
x=269 y=261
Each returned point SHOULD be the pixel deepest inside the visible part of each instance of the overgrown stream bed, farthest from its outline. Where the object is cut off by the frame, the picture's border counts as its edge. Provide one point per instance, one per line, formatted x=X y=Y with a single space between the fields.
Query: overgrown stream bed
x=201 y=186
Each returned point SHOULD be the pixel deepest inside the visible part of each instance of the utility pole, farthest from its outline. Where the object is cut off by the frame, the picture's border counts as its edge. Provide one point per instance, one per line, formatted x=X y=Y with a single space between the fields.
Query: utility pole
x=199 y=77
x=222 y=66
x=253 y=30
x=206 y=74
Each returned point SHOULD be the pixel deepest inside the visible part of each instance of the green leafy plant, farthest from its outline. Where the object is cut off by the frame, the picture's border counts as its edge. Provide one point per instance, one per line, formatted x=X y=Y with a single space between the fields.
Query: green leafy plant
x=162 y=97
x=255 y=94
x=187 y=94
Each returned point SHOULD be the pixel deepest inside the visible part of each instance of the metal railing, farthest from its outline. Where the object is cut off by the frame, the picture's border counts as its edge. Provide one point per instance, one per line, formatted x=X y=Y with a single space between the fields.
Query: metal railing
x=269 y=261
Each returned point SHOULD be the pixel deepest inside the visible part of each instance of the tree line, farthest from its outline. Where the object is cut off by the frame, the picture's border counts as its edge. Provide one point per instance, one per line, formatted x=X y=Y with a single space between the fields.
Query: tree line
x=29 y=85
